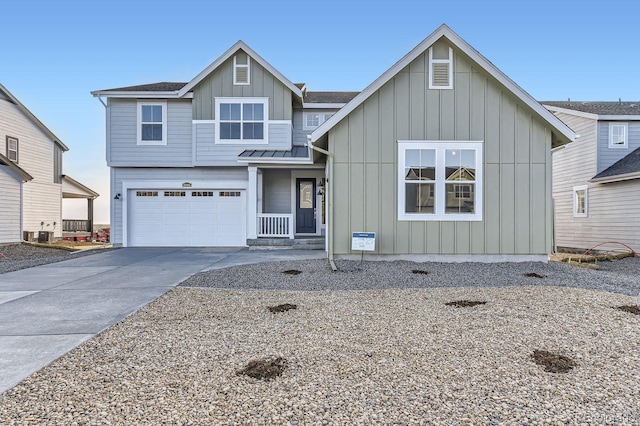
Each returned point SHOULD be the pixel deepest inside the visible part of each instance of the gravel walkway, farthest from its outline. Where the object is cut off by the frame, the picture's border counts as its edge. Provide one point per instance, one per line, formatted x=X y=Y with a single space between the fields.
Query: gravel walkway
x=378 y=356
x=20 y=256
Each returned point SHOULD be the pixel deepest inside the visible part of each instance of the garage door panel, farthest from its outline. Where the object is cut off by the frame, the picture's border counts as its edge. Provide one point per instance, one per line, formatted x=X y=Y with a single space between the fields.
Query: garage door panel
x=209 y=218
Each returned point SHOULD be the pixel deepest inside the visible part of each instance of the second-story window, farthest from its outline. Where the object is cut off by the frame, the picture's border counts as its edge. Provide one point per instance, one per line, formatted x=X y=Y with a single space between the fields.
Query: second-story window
x=152 y=123
x=618 y=135
x=314 y=119
x=12 y=149
x=241 y=120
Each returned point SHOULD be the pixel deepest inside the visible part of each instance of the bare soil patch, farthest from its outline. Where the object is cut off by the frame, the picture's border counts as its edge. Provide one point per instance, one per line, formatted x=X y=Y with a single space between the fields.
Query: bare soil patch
x=282 y=308
x=465 y=303
x=553 y=363
x=632 y=309
x=419 y=272
x=264 y=369
x=292 y=272
x=534 y=275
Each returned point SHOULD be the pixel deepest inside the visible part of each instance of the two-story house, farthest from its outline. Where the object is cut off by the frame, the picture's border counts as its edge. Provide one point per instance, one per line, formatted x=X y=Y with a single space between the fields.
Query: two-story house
x=442 y=155
x=32 y=185
x=596 y=179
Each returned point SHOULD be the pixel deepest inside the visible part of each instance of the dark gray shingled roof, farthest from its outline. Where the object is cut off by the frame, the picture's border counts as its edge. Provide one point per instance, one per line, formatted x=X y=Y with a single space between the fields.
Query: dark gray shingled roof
x=328 y=97
x=153 y=87
x=597 y=107
x=626 y=165
x=295 y=152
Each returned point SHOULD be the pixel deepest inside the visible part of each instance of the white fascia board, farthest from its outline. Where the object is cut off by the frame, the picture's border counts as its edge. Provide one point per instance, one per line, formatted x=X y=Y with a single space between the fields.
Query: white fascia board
x=475 y=56
x=619 y=117
x=239 y=45
x=571 y=112
x=617 y=178
x=322 y=106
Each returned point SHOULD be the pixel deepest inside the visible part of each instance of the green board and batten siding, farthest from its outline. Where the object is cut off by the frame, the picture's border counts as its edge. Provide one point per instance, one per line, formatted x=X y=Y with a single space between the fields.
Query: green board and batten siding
x=263 y=85
x=517 y=164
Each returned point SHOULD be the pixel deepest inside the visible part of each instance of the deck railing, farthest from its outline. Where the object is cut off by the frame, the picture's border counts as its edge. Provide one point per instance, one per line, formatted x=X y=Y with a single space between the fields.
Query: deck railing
x=275 y=225
x=73 y=225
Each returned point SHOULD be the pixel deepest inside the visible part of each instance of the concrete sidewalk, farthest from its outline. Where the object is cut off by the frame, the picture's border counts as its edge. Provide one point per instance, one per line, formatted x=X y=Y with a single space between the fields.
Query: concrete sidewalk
x=48 y=310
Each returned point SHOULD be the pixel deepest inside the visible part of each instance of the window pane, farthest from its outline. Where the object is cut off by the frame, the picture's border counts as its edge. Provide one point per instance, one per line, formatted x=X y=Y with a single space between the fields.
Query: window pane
x=156 y=113
x=460 y=164
x=420 y=197
x=225 y=111
x=229 y=130
x=460 y=198
x=306 y=195
x=152 y=132
x=258 y=112
x=420 y=164
x=313 y=120
x=235 y=111
x=252 y=131
x=146 y=113
x=157 y=132
x=580 y=198
x=247 y=111
x=617 y=137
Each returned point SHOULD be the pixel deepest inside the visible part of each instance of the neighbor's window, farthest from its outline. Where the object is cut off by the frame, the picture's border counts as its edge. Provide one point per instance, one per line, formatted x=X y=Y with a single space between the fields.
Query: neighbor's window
x=241 y=69
x=152 y=123
x=580 y=199
x=12 y=149
x=241 y=120
x=440 y=180
x=314 y=119
x=618 y=135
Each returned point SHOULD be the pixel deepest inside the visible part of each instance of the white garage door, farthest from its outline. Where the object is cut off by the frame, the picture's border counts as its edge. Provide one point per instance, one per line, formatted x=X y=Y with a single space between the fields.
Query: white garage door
x=177 y=218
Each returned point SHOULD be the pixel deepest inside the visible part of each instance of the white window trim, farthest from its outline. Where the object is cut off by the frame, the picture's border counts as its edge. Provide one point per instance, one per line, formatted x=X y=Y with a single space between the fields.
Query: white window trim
x=440 y=189
x=626 y=135
x=236 y=65
x=164 y=123
x=440 y=61
x=324 y=116
x=265 y=104
x=575 y=200
x=17 y=150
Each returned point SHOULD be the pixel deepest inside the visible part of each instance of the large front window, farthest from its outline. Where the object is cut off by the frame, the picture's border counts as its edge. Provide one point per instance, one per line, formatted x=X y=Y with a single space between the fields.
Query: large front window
x=241 y=120
x=440 y=180
x=152 y=123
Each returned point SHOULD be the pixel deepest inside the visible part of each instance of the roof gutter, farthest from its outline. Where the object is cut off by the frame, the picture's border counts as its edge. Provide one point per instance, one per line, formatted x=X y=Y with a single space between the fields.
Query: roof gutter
x=616 y=178
x=329 y=188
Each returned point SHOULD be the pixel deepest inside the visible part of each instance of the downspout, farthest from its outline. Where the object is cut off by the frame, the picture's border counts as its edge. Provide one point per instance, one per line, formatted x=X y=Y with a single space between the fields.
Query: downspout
x=329 y=188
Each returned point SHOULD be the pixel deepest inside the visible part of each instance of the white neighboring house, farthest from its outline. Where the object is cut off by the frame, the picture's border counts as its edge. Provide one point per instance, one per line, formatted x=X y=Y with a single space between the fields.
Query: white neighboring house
x=32 y=185
x=596 y=179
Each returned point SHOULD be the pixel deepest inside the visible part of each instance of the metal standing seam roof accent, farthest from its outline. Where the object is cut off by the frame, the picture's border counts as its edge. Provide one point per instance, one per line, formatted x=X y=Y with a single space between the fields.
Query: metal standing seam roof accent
x=598 y=107
x=625 y=166
x=295 y=152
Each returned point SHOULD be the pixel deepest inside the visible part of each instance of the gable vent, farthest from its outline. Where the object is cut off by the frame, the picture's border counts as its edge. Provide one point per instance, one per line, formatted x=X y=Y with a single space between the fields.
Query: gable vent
x=441 y=68
x=241 y=69
x=242 y=75
x=440 y=76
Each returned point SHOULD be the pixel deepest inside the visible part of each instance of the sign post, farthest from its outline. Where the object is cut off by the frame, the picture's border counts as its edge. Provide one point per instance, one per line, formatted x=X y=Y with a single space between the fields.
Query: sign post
x=363 y=241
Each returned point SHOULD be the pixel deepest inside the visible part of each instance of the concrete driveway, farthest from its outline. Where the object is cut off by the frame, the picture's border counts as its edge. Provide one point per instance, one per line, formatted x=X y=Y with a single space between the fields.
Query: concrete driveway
x=48 y=310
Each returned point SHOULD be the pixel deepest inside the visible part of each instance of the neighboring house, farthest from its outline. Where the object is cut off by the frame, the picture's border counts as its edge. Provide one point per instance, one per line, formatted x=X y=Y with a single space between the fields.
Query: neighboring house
x=596 y=179
x=31 y=180
x=442 y=154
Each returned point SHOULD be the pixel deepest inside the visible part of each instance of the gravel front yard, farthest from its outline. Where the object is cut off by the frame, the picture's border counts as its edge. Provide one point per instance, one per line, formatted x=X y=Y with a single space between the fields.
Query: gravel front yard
x=14 y=257
x=392 y=353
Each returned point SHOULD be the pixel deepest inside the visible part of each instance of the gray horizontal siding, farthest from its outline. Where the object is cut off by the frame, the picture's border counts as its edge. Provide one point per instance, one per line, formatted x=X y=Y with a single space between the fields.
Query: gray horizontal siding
x=276 y=195
x=208 y=153
x=118 y=175
x=123 y=144
x=608 y=156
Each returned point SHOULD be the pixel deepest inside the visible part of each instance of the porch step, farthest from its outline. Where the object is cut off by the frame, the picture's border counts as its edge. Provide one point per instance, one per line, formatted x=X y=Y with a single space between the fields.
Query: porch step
x=312 y=243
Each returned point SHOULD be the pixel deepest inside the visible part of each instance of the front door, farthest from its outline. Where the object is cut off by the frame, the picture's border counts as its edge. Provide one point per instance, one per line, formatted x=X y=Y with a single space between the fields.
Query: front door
x=305 y=206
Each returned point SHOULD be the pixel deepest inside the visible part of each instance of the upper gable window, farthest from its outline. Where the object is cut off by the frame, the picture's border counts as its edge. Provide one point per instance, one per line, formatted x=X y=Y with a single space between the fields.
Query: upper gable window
x=152 y=123
x=241 y=69
x=440 y=67
x=314 y=119
x=12 y=149
x=439 y=180
x=618 y=135
x=241 y=120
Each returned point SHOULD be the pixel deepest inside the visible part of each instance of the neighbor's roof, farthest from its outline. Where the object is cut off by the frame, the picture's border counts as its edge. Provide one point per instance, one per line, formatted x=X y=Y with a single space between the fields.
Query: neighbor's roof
x=624 y=169
x=33 y=118
x=598 y=107
x=558 y=127
x=328 y=97
x=152 y=87
x=74 y=183
x=17 y=169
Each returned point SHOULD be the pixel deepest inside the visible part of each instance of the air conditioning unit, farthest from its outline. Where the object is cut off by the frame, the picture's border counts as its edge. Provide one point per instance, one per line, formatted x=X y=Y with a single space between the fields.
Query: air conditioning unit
x=27 y=236
x=45 y=236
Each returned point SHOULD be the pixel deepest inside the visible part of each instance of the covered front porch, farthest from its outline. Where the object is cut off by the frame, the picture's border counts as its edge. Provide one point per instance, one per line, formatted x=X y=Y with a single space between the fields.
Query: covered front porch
x=78 y=228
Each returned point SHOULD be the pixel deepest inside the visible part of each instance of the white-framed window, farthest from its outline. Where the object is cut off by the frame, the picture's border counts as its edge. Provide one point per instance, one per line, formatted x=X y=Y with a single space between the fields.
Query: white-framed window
x=440 y=67
x=314 y=119
x=152 y=122
x=241 y=120
x=580 y=201
x=440 y=180
x=241 y=69
x=12 y=149
x=618 y=135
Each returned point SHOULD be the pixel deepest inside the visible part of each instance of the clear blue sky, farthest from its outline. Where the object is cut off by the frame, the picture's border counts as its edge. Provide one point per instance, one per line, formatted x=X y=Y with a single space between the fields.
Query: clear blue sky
x=53 y=53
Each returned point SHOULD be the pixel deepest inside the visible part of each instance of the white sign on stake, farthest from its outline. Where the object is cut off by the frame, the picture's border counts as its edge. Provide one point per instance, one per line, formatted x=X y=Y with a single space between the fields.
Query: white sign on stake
x=363 y=241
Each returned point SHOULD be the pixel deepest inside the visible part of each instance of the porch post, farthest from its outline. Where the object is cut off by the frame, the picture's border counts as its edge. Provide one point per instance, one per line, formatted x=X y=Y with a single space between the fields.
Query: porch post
x=252 y=204
x=90 y=215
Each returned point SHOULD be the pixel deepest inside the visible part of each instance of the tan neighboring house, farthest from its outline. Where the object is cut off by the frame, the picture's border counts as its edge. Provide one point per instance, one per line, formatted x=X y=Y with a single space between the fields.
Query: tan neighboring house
x=32 y=185
x=596 y=179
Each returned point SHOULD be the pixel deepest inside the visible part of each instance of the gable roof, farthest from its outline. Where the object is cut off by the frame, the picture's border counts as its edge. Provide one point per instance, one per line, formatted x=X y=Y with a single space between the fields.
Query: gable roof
x=71 y=188
x=33 y=118
x=626 y=168
x=162 y=86
x=598 y=107
x=556 y=124
x=239 y=45
x=17 y=169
